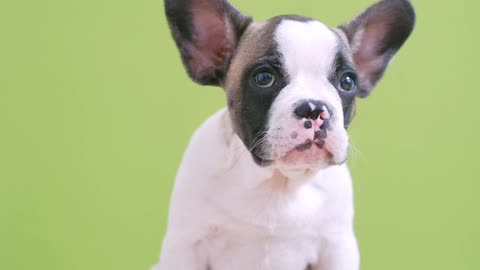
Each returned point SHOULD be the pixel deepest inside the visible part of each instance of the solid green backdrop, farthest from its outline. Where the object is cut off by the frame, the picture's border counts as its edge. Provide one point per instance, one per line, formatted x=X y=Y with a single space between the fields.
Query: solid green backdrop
x=96 y=111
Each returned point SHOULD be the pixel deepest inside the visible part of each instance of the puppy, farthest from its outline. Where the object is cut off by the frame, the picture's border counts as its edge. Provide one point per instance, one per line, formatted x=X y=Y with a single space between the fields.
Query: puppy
x=263 y=183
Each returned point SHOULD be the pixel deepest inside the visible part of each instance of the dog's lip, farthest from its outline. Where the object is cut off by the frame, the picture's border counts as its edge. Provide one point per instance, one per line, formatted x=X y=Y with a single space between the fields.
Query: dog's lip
x=261 y=161
x=319 y=144
x=302 y=147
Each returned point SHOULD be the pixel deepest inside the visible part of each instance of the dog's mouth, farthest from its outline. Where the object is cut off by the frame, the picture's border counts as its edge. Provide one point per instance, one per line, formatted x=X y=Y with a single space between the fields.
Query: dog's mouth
x=310 y=152
x=315 y=150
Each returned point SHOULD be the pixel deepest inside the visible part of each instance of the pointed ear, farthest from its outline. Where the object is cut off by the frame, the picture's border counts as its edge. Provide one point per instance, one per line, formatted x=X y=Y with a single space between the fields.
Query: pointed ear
x=375 y=36
x=207 y=33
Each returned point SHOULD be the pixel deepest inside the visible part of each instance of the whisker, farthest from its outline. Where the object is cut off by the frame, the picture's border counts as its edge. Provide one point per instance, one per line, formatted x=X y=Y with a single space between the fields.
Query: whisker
x=256 y=142
x=354 y=150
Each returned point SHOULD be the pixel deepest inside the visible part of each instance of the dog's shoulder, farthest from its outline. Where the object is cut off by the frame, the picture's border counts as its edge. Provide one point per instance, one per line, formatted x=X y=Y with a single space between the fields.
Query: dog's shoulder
x=214 y=131
x=209 y=151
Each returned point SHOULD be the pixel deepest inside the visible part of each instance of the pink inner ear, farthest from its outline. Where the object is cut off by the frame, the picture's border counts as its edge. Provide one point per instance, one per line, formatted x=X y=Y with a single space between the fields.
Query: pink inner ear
x=211 y=44
x=368 y=56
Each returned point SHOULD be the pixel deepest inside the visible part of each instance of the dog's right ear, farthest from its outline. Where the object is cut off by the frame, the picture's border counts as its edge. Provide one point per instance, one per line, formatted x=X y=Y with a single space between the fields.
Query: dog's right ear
x=206 y=33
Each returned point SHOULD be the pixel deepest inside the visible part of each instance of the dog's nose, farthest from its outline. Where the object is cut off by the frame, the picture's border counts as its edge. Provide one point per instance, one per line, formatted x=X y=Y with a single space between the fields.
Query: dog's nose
x=312 y=109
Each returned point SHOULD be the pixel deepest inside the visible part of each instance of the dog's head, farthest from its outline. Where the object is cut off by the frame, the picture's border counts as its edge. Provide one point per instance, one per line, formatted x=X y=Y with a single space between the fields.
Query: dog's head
x=291 y=82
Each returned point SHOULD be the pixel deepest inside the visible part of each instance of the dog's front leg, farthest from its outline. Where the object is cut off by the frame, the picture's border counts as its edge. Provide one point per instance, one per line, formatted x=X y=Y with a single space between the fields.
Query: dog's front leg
x=183 y=254
x=340 y=253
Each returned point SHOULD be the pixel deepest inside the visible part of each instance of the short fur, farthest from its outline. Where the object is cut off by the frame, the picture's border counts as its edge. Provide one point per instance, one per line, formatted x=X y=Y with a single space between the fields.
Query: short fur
x=263 y=183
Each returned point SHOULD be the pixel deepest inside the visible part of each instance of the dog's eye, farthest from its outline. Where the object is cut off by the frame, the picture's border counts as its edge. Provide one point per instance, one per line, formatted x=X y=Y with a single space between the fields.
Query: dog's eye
x=347 y=82
x=264 y=79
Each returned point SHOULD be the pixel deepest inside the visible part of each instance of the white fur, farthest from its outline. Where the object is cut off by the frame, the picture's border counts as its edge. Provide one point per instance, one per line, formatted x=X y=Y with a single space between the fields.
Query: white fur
x=227 y=213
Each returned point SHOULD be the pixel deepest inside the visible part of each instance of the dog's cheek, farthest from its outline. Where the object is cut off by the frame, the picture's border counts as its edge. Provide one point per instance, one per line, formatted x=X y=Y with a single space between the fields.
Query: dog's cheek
x=281 y=131
x=280 y=143
x=337 y=144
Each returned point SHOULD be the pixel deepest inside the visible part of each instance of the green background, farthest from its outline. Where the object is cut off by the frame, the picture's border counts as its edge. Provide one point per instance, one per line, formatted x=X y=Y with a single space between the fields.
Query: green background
x=96 y=111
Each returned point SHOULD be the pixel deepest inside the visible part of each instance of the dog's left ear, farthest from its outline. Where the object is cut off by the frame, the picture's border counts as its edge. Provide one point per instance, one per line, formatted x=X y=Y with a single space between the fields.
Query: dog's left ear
x=375 y=36
x=207 y=33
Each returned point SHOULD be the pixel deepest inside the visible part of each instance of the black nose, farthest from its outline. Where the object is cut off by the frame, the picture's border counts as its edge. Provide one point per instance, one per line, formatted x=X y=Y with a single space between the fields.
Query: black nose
x=311 y=109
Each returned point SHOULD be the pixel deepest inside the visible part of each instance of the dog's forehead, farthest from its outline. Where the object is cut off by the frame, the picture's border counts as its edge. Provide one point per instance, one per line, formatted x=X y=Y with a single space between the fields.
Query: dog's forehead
x=304 y=44
x=307 y=47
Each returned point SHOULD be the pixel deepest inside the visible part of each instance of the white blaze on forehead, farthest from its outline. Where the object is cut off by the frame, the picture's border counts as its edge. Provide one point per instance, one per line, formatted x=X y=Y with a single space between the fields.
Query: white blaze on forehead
x=306 y=47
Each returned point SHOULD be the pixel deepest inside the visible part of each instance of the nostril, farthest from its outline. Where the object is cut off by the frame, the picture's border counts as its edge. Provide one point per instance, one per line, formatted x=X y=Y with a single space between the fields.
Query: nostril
x=315 y=113
x=324 y=115
x=303 y=110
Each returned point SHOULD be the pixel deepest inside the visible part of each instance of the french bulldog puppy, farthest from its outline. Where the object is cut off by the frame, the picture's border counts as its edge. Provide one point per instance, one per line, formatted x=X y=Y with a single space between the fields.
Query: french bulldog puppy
x=263 y=184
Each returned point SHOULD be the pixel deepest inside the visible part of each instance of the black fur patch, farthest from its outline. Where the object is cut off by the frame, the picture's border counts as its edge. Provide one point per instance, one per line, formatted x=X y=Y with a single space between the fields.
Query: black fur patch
x=256 y=103
x=342 y=65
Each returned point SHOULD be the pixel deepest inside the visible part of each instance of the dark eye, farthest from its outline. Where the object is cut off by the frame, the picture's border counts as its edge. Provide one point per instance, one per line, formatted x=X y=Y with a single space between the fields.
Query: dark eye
x=347 y=82
x=264 y=79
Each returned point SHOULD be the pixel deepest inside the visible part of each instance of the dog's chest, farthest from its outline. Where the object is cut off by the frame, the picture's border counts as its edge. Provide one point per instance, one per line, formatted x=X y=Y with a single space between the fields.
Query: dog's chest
x=259 y=252
x=279 y=234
